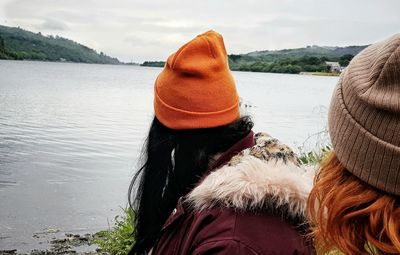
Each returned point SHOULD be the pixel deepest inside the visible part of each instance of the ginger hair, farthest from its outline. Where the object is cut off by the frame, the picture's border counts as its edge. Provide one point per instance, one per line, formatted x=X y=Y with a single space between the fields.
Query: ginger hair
x=349 y=215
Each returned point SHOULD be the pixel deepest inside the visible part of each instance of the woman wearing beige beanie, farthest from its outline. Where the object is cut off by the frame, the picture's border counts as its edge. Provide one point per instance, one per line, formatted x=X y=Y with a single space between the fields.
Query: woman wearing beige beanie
x=354 y=206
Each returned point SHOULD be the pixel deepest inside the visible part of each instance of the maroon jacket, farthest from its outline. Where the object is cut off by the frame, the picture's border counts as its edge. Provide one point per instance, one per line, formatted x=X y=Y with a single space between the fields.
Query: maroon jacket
x=251 y=205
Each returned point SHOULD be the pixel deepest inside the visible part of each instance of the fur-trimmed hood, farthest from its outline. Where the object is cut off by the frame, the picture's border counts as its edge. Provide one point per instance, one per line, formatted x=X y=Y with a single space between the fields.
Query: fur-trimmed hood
x=265 y=177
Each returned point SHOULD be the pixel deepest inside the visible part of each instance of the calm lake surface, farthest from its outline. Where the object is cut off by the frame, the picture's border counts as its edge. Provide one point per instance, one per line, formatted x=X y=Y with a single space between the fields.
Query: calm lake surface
x=70 y=135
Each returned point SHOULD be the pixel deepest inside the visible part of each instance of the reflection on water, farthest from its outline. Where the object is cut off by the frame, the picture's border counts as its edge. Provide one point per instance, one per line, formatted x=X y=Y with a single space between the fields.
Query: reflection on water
x=70 y=135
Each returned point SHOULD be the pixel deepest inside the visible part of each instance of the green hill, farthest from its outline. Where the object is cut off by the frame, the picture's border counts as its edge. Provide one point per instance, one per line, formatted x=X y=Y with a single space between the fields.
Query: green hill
x=308 y=59
x=314 y=51
x=19 y=44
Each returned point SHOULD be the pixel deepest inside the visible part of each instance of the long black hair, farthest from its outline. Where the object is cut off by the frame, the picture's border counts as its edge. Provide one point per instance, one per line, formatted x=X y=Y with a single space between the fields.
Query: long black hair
x=173 y=162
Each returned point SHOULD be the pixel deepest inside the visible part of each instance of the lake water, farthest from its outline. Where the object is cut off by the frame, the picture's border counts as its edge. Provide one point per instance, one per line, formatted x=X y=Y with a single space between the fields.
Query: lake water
x=70 y=135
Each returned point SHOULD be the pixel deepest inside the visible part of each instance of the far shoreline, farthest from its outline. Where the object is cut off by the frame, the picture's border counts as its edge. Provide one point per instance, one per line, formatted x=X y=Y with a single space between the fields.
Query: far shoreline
x=320 y=74
x=140 y=65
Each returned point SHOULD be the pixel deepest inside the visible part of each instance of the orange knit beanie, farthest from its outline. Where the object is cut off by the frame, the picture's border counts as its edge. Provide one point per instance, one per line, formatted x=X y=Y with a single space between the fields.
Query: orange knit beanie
x=195 y=88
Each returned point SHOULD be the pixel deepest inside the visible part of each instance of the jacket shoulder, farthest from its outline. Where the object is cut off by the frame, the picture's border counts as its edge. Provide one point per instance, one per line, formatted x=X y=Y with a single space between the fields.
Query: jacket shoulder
x=250 y=233
x=225 y=246
x=270 y=234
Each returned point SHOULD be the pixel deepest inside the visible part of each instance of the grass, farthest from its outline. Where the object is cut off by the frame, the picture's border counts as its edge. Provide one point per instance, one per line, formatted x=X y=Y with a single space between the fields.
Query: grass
x=314 y=157
x=118 y=239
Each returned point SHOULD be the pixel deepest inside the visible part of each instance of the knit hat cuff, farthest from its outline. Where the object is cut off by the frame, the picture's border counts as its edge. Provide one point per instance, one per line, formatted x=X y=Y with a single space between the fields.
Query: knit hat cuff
x=365 y=155
x=175 y=118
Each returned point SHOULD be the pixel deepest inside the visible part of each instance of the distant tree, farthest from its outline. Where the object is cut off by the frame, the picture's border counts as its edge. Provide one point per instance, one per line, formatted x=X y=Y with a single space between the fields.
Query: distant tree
x=153 y=63
x=345 y=59
x=323 y=59
x=311 y=60
x=2 y=45
x=234 y=57
x=327 y=69
x=244 y=67
x=294 y=69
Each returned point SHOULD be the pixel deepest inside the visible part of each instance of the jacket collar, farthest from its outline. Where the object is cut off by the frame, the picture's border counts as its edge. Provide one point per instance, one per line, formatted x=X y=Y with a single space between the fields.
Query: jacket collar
x=265 y=177
x=244 y=143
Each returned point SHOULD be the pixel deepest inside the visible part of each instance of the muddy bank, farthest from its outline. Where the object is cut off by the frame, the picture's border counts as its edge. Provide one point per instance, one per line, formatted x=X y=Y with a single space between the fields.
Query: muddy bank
x=66 y=244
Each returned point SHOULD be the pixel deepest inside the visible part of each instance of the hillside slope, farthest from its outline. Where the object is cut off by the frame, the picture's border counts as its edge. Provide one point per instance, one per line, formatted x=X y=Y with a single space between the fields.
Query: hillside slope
x=314 y=51
x=308 y=59
x=19 y=44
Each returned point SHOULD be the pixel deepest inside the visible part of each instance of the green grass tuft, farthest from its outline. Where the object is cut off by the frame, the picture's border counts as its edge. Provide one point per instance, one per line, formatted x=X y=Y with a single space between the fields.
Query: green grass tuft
x=314 y=157
x=117 y=240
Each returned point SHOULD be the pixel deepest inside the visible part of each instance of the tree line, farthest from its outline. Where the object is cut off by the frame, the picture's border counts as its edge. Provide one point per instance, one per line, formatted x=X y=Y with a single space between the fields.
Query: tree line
x=292 y=65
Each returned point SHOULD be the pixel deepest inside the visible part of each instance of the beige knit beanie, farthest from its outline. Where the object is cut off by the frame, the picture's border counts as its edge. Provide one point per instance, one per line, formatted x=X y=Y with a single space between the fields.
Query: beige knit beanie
x=364 y=117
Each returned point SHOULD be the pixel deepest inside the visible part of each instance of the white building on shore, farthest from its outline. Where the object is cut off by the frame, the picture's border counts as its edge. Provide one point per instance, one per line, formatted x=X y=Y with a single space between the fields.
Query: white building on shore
x=334 y=67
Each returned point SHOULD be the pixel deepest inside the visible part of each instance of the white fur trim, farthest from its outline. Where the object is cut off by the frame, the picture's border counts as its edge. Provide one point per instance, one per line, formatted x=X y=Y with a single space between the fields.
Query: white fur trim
x=254 y=184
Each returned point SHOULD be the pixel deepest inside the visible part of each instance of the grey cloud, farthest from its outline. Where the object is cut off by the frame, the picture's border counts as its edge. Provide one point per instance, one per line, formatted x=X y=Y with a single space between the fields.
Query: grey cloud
x=54 y=25
x=152 y=29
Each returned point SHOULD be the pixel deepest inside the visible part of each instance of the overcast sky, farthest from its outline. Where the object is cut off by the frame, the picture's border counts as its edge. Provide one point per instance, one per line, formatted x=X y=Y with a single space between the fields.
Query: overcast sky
x=151 y=30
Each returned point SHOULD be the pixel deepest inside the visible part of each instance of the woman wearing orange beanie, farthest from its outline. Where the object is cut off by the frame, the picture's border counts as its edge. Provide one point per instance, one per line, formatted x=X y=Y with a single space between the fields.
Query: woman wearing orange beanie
x=355 y=204
x=208 y=185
